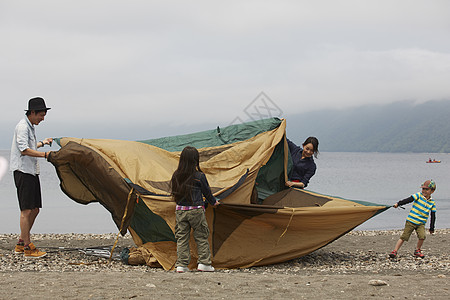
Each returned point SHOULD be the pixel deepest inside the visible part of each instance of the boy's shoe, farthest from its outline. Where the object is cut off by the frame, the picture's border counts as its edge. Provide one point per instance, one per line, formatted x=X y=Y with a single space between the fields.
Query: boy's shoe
x=393 y=254
x=19 y=249
x=418 y=253
x=205 y=268
x=32 y=252
x=182 y=269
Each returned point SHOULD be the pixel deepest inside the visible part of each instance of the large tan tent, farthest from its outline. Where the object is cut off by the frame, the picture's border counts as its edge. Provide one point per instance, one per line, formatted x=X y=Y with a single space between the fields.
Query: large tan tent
x=259 y=221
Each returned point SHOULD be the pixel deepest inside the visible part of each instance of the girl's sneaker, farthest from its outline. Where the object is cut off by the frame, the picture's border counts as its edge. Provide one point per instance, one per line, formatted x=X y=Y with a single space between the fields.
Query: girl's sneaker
x=182 y=269
x=393 y=254
x=418 y=253
x=205 y=268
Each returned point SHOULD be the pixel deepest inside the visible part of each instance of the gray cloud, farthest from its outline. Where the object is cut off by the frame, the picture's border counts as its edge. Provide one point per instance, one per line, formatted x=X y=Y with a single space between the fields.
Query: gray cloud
x=124 y=66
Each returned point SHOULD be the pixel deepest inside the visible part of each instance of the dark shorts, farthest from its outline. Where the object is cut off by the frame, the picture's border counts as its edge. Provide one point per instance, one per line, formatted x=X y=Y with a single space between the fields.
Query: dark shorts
x=28 y=190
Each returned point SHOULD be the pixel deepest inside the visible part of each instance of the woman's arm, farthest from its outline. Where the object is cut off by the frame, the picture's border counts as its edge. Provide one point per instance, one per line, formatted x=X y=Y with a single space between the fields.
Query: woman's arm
x=292 y=146
x=299 y=185
x=308 y=174
x=304 y=180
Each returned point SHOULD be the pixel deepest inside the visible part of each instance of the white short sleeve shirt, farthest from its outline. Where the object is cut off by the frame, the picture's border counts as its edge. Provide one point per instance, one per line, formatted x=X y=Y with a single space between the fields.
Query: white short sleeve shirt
x=24 y=138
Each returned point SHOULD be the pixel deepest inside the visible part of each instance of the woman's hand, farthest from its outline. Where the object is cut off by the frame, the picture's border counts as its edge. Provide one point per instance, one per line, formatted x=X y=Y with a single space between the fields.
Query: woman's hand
x=299 y=185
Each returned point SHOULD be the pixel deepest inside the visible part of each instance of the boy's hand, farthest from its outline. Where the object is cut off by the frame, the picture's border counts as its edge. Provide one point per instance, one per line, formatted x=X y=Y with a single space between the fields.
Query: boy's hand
x=216 y=204
x=395 y=205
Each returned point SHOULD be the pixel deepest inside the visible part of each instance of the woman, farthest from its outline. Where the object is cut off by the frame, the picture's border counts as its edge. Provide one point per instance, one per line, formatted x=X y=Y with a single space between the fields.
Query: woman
x=188 y=185
x=304 y=166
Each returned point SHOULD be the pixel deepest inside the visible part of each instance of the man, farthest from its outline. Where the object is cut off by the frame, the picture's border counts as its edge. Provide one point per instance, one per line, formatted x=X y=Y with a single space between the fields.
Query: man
x=25 y=166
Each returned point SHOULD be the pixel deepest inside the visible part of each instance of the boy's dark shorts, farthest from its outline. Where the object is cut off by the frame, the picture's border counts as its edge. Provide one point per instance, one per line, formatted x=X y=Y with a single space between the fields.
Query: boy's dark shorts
x=28 y=190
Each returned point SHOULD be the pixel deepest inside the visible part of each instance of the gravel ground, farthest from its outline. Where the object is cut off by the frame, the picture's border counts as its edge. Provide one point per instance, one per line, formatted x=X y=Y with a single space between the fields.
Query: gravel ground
x=340 y=270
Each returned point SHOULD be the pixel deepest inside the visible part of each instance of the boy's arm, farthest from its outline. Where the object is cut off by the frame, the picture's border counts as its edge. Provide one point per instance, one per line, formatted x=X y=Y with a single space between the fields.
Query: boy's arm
x=404 y=201
x=432 y=221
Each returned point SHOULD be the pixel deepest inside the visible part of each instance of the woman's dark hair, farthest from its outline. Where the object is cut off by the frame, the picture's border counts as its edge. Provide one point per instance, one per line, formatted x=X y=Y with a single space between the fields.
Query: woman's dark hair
x=183 y=177
x=315 y=142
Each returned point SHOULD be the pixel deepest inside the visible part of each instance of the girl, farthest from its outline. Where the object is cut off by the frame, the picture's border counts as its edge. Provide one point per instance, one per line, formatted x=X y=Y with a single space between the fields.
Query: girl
x=304 y=166
x=188 y=185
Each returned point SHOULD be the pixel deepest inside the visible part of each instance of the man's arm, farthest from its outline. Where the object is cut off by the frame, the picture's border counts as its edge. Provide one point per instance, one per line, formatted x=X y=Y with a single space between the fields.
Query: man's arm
x=34 y=153
x=47 y=141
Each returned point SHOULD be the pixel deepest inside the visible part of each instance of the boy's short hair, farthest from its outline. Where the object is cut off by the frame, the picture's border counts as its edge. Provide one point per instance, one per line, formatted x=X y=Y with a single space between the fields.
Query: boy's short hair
x=429 y=184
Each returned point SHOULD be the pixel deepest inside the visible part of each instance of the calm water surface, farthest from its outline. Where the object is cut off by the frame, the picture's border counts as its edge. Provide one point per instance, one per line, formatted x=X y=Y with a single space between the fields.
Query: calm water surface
x=382 y=178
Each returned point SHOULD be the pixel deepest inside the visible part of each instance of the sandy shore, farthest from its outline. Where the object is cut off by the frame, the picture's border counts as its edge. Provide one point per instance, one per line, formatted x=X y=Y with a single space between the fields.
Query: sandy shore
x=341 y=270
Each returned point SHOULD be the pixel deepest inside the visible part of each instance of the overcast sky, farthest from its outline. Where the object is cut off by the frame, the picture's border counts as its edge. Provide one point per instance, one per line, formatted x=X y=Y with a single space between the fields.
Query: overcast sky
x=145 y=69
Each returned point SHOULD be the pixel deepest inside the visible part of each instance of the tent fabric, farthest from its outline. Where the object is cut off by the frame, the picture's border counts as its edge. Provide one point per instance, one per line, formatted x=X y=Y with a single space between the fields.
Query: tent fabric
x=141 y=256
x=259 y=221
x=216 y=137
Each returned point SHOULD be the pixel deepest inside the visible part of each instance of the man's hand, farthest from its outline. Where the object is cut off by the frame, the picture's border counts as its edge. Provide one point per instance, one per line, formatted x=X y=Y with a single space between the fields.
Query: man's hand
x=47 y=141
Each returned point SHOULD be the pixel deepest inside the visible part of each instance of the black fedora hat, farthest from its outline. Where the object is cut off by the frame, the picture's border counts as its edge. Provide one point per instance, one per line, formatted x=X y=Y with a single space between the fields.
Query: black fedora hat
x=36 y=104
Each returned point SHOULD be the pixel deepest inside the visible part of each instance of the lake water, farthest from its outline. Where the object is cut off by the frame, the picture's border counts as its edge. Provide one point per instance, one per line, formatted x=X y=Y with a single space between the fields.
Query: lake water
x=382 y=178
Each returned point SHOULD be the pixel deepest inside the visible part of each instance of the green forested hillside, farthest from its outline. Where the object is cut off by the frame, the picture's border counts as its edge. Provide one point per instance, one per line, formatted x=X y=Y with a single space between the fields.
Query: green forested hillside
x=397 y=127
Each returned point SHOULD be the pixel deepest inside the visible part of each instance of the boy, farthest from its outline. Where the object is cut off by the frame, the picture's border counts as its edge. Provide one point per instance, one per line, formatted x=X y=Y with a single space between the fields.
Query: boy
x=418 y=216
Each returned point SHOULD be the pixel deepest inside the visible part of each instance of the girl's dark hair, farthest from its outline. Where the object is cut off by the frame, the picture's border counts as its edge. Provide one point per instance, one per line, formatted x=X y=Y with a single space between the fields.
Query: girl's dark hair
x=315 y=142
x=183 y=177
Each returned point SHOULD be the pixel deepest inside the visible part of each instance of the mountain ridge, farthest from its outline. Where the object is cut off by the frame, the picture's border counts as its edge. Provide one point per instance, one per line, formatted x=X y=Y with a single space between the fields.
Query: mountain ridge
x=397 y=127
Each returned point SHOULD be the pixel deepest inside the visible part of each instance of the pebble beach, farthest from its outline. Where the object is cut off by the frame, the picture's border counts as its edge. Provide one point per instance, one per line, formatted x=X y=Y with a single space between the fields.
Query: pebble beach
x=355 y=266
